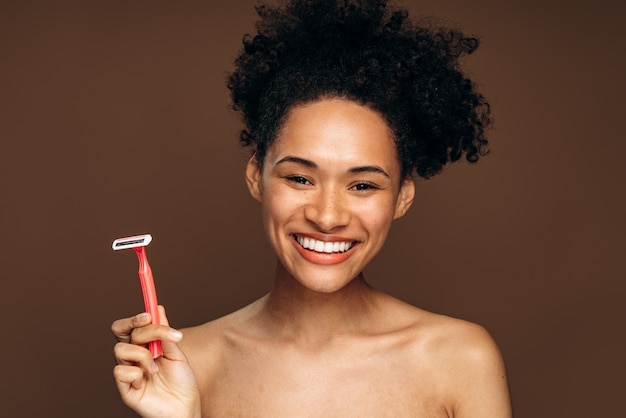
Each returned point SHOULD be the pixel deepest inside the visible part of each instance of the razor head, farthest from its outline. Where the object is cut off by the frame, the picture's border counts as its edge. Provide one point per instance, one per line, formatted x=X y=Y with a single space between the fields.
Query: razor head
x=132 y=242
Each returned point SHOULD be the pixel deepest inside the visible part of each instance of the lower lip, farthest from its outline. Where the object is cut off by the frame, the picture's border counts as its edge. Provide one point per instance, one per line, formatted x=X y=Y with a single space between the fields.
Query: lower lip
x=322 y=258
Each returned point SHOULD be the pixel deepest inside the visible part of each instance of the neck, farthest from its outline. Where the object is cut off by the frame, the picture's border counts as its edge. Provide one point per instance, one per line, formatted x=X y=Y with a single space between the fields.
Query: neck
x=302 y=314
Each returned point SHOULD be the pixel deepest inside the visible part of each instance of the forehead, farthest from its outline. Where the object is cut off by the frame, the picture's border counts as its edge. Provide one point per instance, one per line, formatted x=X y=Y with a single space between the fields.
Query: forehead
x=335 y=131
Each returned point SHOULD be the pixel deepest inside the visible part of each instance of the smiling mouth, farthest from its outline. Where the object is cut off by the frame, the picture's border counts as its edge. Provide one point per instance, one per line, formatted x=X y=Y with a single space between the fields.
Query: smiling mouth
x=324 y=246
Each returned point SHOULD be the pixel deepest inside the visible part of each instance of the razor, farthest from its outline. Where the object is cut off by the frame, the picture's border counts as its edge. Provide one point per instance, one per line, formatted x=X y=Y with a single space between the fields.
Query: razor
x=139 y=243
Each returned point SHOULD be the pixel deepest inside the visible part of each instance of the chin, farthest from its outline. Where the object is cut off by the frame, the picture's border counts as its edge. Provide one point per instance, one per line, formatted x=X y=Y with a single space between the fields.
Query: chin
x=321 y=283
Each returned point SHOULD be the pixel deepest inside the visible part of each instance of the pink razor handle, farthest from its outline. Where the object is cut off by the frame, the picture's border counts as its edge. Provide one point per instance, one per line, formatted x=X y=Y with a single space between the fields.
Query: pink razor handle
x=149 y=296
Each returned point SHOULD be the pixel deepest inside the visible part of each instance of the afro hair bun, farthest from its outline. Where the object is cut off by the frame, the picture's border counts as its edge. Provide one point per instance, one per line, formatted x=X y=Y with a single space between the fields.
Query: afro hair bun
x=371 y=53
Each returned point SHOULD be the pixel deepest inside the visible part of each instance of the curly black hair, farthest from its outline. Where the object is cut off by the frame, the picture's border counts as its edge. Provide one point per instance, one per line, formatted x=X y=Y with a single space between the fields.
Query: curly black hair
x=370 y=53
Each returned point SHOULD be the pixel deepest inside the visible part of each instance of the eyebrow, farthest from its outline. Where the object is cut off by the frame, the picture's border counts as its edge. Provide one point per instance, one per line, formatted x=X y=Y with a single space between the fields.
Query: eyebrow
x=297 y=160
x=311 y=164
x=369 y=169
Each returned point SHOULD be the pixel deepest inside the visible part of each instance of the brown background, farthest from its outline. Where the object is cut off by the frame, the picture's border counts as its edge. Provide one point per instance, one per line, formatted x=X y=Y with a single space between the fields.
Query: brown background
x=114 y=120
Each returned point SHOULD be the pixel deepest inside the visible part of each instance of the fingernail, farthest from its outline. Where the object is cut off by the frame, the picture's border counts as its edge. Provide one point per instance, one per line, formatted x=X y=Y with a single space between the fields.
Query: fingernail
x=177 y=335
x=154 y=367
x=142 y=317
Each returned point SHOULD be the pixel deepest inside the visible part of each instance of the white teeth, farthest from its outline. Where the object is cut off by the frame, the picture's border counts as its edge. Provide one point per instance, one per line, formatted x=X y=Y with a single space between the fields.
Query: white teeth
x=324 y=246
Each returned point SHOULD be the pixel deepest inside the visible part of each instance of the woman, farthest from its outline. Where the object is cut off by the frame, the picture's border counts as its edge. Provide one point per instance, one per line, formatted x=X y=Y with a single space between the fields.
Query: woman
x=344 y=102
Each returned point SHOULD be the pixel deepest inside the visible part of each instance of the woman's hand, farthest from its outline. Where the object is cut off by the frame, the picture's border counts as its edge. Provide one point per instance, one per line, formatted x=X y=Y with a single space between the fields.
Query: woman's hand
x=162 y=387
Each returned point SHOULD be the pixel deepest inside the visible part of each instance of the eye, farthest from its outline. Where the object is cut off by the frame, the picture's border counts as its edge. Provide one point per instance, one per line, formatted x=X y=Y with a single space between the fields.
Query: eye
x=362 y=187
x=299 y=180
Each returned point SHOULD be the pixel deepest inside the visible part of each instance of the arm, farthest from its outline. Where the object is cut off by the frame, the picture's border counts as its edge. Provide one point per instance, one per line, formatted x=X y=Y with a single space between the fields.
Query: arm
x=162 y=387
x=481 y=385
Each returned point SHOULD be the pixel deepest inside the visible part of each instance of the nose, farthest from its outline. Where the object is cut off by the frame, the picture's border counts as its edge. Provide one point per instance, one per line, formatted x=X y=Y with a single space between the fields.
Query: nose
x=327 y=210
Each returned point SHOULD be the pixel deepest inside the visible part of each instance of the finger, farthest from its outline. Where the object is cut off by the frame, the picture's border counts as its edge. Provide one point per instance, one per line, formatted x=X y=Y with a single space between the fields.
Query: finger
x=143 y=335
x=163 y=316
x=123 y=328
x=133 y=355
x=128 y=375
x=170 y=348
x=139 y=329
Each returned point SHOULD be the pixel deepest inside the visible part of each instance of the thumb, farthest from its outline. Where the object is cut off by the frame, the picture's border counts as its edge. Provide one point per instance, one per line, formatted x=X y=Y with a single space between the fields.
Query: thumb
x=162 y=316
x=169 y=345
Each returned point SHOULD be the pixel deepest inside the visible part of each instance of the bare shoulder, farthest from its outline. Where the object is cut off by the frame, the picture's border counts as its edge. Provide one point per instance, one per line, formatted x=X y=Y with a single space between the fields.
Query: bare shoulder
x=440 y=332
x=204 y=345
x=459 y=339
x=474 y=369
x=462 y=358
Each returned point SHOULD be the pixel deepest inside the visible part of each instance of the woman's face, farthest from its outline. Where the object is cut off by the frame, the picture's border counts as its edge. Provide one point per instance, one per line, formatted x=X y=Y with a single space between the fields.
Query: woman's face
x=329 y=187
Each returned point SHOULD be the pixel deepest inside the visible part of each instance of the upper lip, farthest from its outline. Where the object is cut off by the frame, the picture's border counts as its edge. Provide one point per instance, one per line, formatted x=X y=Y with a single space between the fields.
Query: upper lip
x=324 y=238
x=326 y=246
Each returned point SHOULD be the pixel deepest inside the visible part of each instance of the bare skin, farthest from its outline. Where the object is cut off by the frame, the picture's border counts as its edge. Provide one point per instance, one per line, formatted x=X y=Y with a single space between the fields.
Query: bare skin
x=396 y=361
x=322 y=343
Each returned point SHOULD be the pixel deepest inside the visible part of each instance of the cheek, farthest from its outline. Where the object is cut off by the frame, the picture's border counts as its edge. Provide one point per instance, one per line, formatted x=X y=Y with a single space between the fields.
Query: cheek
x=378 y=212
x=279 y=207
x=376 y=218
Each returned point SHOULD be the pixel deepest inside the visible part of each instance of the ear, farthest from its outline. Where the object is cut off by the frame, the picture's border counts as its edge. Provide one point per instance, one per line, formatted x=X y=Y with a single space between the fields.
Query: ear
x=405 y=198
x=253 y=177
